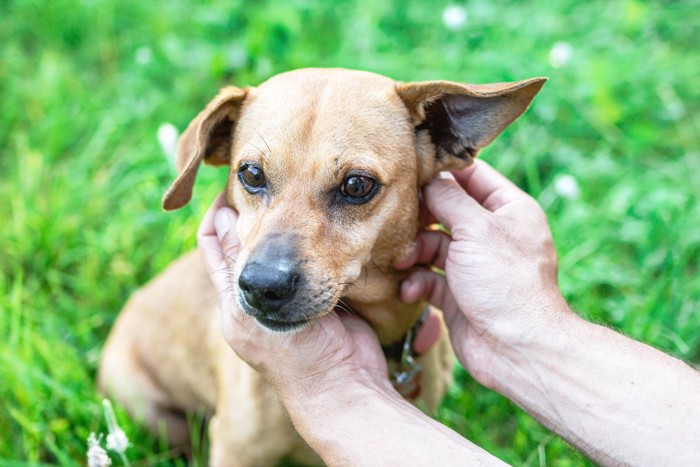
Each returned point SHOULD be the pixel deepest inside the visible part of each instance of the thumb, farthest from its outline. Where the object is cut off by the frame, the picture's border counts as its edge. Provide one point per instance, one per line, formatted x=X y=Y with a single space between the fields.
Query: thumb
x=218 y=241
x=224 y=224
x=451 y=204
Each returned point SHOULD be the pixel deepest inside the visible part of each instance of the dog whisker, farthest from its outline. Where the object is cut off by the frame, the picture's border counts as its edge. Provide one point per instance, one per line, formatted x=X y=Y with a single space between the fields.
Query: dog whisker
x=340 y=304
x=261 y=137
x=224 y=270
x=218 y=250
x=250 y=333
x=259 y=150
x=378 y=268
x=230 y=258
x=335 y=317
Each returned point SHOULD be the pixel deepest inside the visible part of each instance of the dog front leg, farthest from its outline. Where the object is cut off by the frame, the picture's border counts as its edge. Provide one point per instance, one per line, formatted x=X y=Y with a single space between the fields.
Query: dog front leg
x=250 y=426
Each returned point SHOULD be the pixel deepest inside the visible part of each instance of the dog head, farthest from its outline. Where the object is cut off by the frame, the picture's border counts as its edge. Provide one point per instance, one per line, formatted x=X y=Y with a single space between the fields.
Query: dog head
x=325 y=172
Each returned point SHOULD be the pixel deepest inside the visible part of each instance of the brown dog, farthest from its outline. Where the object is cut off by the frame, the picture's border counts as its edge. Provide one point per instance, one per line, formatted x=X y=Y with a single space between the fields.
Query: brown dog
x=325 y=172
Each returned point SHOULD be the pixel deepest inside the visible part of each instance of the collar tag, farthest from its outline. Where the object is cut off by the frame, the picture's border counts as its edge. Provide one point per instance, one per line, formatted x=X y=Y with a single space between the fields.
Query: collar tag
x=406 y=379
x=405 y=374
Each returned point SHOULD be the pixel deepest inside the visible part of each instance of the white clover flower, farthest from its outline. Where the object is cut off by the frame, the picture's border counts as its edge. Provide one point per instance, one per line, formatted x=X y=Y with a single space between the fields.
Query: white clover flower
x=117 y=441
x=167 y=138
x=567 y=187
x=560 y=54
x=454 y=17
x=96 y=456
x=143 y=55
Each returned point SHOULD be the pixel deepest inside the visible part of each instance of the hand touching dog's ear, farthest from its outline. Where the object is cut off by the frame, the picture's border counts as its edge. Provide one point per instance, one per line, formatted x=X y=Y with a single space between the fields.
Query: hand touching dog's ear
x=454 y=121
x=208 y=139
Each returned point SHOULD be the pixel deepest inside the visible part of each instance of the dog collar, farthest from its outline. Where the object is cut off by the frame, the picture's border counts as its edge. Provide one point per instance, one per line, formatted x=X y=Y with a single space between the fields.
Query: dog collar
x=404 y=372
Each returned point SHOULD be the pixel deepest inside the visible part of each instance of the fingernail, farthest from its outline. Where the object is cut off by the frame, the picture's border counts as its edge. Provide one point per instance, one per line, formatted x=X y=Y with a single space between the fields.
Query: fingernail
x=222 y=223
x=445 y=175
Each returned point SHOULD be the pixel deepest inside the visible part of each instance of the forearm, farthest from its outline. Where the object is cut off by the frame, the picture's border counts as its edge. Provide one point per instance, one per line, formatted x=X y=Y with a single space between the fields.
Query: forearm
x=617 y=400
x=367 y=425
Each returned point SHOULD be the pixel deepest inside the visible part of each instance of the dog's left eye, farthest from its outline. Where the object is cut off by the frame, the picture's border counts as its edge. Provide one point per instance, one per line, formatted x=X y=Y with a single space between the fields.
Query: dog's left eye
x=358 y=188
x=252 y=177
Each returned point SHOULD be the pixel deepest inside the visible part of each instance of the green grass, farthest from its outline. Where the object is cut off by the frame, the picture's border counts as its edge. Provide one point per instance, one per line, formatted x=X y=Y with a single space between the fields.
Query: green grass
x=84 y=85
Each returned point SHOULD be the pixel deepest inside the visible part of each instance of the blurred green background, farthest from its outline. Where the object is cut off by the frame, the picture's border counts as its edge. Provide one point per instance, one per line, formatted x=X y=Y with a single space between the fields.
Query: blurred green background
x=609 y=148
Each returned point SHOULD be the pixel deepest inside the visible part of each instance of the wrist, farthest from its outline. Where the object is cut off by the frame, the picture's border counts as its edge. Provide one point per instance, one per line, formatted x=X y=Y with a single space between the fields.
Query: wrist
x=334 y=389
x=324 y=414
x=348 y=425
x=516 y=346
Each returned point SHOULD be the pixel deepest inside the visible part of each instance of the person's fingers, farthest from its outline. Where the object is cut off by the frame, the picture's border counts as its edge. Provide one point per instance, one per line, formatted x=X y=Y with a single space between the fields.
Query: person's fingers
x=487 y=186
x=206 y=234
x=209 y=243
x=498 y=194
x=424 y=284
x=426 y=217
x=428 y=285
x=430 y=249
x=225 y=223
x=239 y=328
x=428 y=334
x=452 y=206
x=217 y=246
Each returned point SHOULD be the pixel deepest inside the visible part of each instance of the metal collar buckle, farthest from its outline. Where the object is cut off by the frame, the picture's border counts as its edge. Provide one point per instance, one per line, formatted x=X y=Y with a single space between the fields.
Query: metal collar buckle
x=404 y=372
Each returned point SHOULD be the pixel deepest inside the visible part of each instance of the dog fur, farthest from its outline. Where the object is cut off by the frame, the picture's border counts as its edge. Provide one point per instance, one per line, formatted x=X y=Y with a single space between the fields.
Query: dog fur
x=309 y=131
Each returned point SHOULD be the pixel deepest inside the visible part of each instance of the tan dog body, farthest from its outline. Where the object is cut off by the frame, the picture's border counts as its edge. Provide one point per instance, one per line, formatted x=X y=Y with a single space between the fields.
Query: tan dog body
x=325 y=172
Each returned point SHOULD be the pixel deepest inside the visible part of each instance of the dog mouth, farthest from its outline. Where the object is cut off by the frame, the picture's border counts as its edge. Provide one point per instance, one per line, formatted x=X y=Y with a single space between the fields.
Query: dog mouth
x=280 y=325
x=275 y=322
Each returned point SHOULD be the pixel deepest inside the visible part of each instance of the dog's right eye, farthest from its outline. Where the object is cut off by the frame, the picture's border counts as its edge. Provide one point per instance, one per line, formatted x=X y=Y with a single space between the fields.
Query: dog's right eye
x=252 y=177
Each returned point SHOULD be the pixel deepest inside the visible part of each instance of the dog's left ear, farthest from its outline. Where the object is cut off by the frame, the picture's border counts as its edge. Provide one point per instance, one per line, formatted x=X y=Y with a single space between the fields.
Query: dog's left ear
x=454 y=121
x=207 y=138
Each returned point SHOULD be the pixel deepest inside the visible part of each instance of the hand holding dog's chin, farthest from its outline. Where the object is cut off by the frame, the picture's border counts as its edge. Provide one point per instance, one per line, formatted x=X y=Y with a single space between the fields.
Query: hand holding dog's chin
x=335 y=350
x=330 y=353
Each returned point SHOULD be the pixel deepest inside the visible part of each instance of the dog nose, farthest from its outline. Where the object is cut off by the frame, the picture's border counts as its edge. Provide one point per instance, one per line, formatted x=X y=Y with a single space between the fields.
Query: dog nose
x=268 y=288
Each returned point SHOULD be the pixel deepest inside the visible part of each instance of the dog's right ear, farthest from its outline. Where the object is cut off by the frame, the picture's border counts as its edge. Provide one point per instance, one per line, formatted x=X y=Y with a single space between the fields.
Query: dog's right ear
x=207 y=138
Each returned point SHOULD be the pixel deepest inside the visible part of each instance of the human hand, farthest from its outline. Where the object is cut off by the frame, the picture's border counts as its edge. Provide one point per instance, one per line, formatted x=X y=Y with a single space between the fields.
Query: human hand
x=499 y=287
x=338 y=349
x=331 y=375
